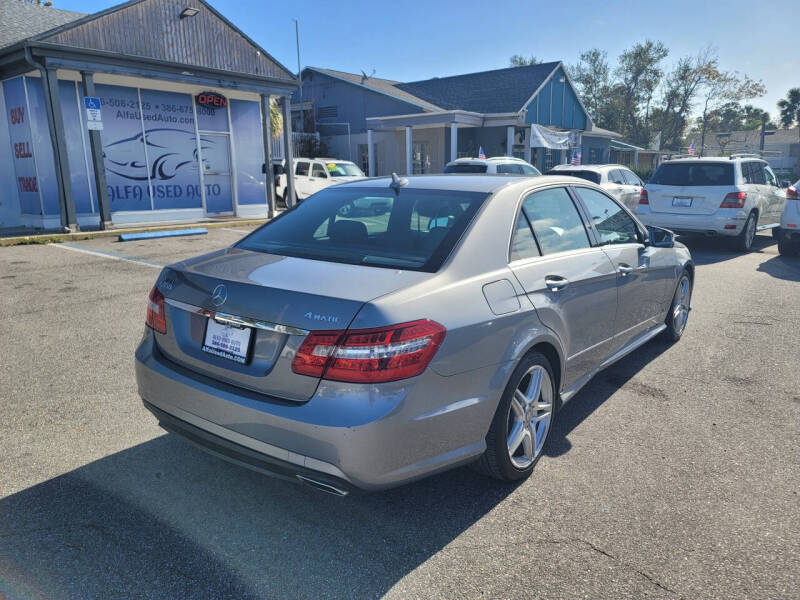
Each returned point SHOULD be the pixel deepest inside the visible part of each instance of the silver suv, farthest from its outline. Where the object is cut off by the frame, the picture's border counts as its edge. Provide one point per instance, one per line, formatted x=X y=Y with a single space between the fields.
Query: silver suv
x=733 y=197
x=789 y=233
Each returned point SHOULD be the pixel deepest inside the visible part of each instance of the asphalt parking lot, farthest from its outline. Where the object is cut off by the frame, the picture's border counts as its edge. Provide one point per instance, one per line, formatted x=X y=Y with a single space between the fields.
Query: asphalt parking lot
x=674 y=474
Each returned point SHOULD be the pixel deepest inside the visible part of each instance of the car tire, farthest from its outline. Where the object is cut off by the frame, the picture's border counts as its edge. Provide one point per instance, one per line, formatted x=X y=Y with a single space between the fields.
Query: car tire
x=777 y=232
x=788 y=247
x=532 y=420
x=279 y=201
x=679 y=309
x=744 y=241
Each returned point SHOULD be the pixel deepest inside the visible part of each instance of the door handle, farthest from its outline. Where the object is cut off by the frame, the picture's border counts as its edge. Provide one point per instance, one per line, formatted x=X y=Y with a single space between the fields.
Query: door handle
x=624 y=269
x=556 y=282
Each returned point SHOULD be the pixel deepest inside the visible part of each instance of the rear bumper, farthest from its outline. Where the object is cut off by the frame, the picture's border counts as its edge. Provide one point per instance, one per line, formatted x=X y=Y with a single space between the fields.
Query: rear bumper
x=368 y=437
x=728 y=222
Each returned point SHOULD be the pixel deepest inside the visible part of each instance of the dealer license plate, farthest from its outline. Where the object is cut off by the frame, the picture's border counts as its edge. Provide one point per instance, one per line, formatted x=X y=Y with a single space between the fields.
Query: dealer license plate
x=227 y=341
x=682 y=201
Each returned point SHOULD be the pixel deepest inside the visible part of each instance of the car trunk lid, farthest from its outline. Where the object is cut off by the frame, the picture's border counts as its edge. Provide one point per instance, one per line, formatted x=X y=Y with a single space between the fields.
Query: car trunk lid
x=277 y=298
x=686 y=200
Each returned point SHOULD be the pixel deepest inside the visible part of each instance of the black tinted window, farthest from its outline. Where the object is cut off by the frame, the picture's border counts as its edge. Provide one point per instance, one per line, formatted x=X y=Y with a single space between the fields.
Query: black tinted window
x=415 y=229
x=613 y=225
x=301 y=168
x=523 y=245
x=555 y=220
x=693 y=173
x=755 y=173
x=582 y=174
x=465 y=168
x=512 y=168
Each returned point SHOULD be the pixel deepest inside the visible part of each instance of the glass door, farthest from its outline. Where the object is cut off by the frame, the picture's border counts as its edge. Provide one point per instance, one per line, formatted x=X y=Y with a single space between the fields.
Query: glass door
x=215 y=150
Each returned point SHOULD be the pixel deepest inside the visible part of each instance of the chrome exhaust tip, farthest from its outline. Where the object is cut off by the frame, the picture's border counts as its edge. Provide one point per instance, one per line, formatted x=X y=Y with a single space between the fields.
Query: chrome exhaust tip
x=322 y=487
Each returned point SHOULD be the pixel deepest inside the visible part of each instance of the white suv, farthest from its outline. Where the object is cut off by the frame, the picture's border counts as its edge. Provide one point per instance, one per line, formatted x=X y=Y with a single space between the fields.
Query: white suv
x=313 y=174
x=618 y=180
x=733 y=197
x=494 y=165
x=789 y=233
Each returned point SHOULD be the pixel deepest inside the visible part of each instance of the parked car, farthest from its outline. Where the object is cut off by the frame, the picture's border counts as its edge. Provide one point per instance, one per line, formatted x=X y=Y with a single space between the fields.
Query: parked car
x=618 y=180
x=733 y=197
x=347 y=349
x=313 y=174
x=497 y=164
x=789 y=233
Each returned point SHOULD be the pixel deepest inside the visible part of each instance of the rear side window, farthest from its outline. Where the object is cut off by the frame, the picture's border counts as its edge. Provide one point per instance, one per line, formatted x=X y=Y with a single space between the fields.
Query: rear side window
x=465 y=168
x=582 y=174
x=693 y=174
x=753 y=172
x=523 y=244
x=415 y=229
x=630 y=178
x=615 y=176
x=318 y=171
x=301 y=168
x=555 y=221
x=512 y=168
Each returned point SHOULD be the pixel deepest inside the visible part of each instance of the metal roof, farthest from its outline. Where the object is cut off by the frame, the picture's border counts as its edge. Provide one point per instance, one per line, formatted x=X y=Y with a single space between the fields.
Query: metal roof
x=21 y=20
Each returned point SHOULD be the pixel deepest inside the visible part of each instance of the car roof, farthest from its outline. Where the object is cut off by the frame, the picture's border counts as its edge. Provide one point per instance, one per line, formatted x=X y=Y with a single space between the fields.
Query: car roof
x=477 y=182
x=481 y=161
x=713 y=159
x=588 y=167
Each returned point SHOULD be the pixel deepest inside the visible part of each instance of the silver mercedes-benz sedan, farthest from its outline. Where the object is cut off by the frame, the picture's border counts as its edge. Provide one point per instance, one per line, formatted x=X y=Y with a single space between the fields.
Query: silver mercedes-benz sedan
x=392 y=328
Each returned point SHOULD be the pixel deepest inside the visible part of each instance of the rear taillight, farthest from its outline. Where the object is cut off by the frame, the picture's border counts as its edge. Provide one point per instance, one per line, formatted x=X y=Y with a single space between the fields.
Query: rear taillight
x=278 y=181
x=369 y=355
x=734 y=200
x=643 y=199
x=156 y=319
x=792 y=193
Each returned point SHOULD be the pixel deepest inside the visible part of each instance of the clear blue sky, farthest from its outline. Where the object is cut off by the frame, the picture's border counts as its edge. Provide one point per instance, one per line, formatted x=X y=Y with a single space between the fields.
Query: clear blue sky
x=412 y=39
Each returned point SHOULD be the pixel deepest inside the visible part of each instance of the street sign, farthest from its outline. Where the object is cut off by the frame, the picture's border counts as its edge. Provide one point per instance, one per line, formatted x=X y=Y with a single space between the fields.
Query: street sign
x=94 y=119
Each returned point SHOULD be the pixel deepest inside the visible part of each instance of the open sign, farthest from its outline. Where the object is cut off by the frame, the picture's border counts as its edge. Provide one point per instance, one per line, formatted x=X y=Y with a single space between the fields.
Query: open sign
x=212 y=100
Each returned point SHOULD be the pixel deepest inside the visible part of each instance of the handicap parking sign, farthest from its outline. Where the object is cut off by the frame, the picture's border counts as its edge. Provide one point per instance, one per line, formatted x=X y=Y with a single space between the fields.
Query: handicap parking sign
x=91 y=103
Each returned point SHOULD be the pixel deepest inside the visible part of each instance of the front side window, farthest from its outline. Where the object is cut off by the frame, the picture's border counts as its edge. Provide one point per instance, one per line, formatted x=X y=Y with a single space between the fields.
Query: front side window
x=523 y=244
x=415 y=229
x=301 y=168
x=613 y=225
x=615 y=176
x=631 y=178
x=529 y=170
x=318 y=171
x=555 y=221
x=770 y=176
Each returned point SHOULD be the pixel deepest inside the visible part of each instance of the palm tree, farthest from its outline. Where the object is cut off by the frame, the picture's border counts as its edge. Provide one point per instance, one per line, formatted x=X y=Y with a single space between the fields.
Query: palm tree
x=790 y=108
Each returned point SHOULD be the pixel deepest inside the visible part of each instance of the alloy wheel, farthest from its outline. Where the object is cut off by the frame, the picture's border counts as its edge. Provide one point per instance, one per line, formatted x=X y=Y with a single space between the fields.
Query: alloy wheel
x=529 y=417
x=681 y=307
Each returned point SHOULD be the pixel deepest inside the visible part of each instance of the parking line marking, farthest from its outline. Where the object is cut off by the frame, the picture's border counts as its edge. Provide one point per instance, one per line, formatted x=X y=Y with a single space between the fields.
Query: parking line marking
x=107 y=254
x=234 y=230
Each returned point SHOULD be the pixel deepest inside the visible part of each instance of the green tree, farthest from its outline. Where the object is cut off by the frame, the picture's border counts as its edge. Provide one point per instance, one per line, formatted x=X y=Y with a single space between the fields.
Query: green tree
x=679 y=90
x=790 y=108
x=592 y=78
x=276 y=118
x=518 y=60
x=639 y=74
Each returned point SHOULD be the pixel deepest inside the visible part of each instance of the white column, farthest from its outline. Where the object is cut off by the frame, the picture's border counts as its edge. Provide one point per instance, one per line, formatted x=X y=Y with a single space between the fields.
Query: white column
x=509 y=141
x=527 y=144
x=409 y=152
x=370 y=154
x=453 y=141
x=635 y=159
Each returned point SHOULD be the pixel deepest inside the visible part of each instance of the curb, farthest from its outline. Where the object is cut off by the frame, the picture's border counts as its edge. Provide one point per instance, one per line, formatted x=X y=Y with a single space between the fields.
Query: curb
x=57 y=238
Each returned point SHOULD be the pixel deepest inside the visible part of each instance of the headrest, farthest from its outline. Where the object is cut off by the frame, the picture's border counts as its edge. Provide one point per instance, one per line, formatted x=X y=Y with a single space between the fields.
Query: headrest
x=348 y=232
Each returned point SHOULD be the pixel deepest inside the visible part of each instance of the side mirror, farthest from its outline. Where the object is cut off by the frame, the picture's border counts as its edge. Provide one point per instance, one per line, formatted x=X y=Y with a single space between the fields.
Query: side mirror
x=264 y=168
x=786 y=183
x=660 y=238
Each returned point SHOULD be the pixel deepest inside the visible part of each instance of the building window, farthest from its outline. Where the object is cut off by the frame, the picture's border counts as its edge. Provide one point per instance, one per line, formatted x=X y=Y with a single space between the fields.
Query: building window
x=551 y=158
x=594 y=156
x=363 y=158
x=422 y=157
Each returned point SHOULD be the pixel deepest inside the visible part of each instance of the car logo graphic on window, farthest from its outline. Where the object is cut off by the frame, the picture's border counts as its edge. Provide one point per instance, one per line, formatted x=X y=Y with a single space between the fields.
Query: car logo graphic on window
x=219 y=295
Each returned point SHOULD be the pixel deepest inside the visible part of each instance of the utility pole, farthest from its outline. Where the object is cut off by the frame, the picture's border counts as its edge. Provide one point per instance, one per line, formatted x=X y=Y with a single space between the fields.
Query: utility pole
x=297 y=43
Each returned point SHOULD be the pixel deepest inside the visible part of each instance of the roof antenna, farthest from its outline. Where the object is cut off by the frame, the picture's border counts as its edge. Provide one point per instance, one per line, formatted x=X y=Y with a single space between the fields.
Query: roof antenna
x=364 y=75
x=397 y=183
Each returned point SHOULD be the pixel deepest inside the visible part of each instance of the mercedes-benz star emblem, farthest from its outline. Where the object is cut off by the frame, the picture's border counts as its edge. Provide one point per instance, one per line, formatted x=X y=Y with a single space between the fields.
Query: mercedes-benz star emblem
x=219 y=295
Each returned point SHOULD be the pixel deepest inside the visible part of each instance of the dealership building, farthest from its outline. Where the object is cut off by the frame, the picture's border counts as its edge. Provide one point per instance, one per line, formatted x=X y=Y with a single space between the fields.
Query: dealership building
x=151 y=111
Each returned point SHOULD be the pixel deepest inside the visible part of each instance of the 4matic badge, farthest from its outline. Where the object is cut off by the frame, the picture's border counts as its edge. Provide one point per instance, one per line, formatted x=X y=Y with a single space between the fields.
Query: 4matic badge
x=318 y=317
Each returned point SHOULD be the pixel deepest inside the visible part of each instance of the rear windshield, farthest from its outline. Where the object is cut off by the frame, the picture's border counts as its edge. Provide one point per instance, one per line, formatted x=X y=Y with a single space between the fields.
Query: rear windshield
x=465 y=168
x=690 y=173
x=587 y=175
x=414 y=229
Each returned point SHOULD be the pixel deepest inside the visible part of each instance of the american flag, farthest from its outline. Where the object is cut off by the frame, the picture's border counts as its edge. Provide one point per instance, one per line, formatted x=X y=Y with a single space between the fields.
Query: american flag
x=481 y=153
x=576 y=158
x=691 y=148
